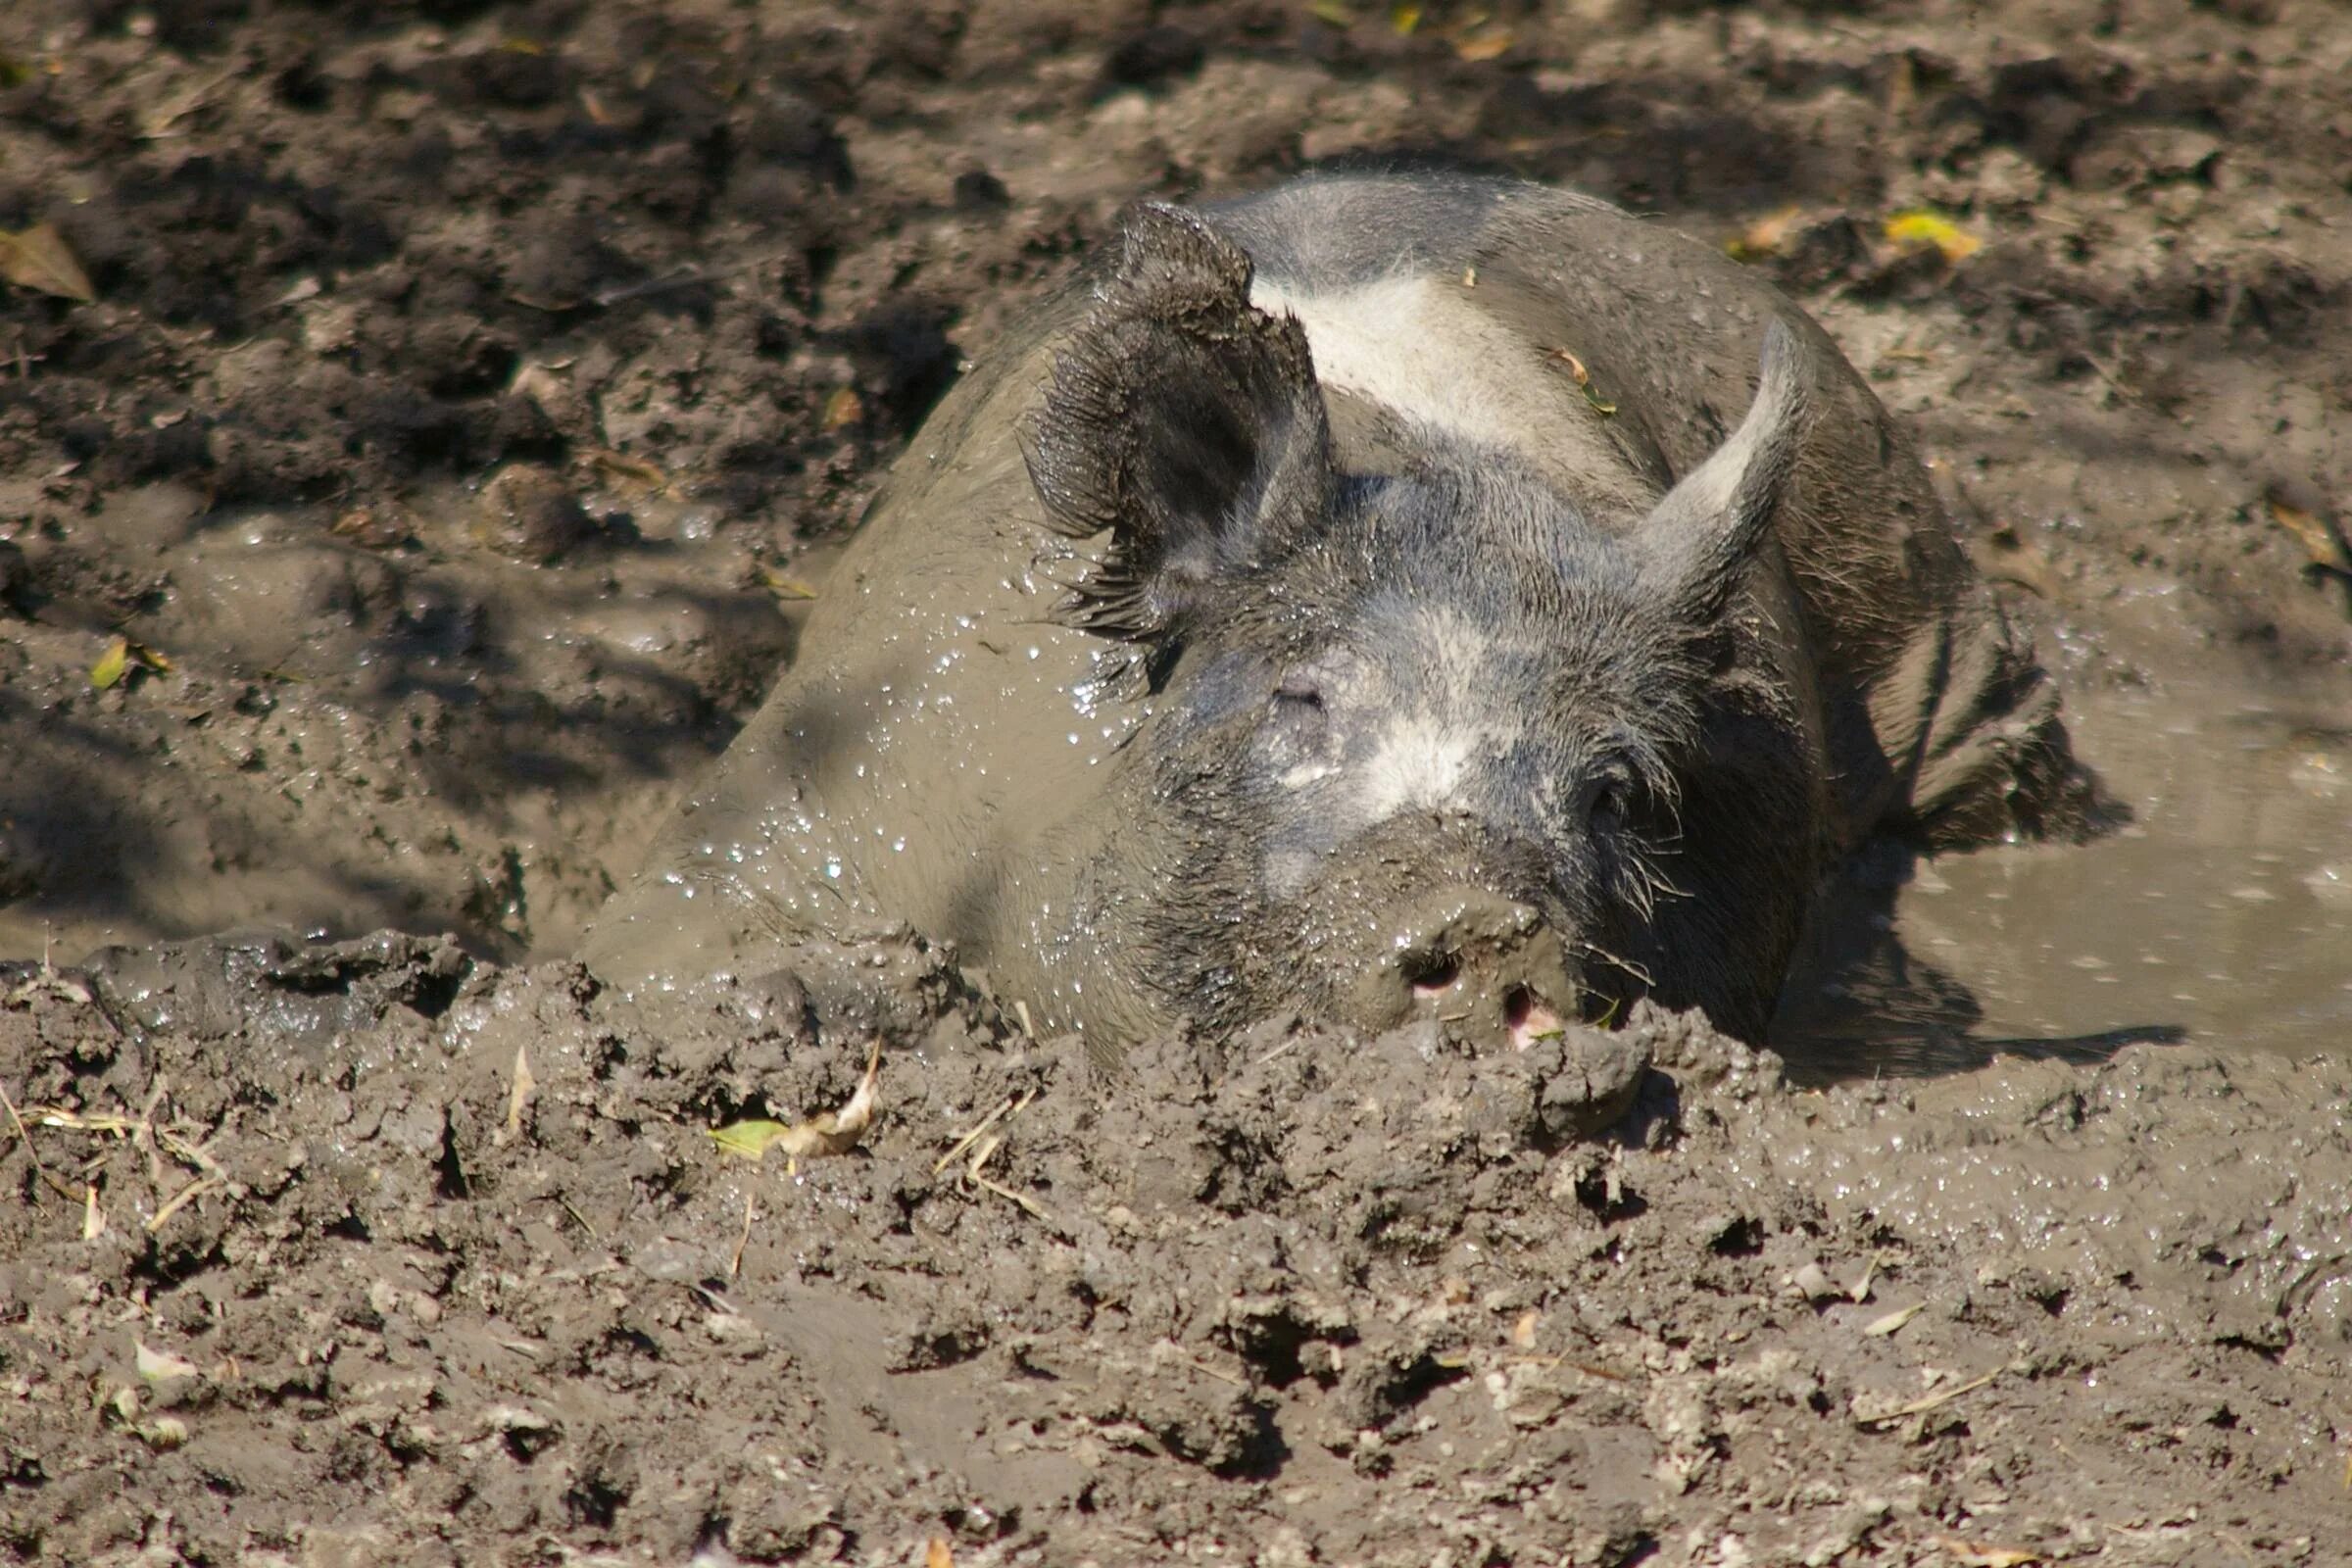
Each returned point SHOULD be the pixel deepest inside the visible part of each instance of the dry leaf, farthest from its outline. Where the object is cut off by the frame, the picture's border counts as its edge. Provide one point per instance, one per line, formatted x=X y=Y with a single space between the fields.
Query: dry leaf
x=2317 y=538
x=1919 y=226
x=38 y=258
x=93 y=1218
x=831 y=1132
x=520 y=1097
x=111 y=664
x=937 y=1553
x=1813 y=1281
x=1881 y=1327
x=163 y=1431
x=1492 y=44
x=627 y=466
x=1764 y=237
x=1334 y=11
x=1403 y=16
x=1583 y=382
x=119 y=656
x=1974 y=1554
x=842 y=409
x=158 y=1366
x=784 y=586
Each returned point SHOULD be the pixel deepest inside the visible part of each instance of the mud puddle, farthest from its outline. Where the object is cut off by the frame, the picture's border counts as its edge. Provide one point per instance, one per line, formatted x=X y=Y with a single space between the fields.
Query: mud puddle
x=454 y=710
x=2220 y=914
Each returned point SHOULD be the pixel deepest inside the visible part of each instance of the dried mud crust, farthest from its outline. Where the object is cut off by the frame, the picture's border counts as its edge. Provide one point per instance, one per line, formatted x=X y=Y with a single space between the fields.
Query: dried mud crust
x=346 y=1293
x=468 y=388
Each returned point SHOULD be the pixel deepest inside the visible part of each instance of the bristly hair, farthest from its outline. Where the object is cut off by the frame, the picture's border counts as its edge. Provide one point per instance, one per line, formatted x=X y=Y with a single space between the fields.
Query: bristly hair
x=1181 y=420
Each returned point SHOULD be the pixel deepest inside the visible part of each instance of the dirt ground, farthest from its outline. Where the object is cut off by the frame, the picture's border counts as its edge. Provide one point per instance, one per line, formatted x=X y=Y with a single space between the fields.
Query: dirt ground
x=468 y=395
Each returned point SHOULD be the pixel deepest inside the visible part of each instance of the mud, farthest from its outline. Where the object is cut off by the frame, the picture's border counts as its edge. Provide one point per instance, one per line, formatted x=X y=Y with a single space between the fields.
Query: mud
x=471 y=394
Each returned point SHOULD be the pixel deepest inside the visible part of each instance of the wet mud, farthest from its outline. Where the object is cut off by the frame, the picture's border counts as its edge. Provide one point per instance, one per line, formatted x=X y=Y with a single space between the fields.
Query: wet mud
x=472 y=396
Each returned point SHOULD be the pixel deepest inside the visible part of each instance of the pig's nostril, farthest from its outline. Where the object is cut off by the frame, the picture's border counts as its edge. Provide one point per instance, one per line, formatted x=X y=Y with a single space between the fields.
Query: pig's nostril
x=1526 y=1019
x=1431 y=972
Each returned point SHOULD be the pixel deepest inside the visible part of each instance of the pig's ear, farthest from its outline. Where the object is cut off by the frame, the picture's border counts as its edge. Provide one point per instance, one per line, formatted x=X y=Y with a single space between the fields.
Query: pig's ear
x=1703 y=532
x=1181 y=420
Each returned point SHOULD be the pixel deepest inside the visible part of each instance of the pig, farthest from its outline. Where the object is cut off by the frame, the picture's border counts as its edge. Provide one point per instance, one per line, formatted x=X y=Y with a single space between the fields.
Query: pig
x=1387 y=596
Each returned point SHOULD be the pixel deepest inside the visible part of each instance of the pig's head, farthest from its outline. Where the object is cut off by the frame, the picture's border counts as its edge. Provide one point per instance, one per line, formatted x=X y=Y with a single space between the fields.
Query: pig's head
x=1426 y=739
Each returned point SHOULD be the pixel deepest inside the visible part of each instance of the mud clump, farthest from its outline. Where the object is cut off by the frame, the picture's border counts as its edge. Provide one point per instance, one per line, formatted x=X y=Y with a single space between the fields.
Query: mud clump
x=388 y=1250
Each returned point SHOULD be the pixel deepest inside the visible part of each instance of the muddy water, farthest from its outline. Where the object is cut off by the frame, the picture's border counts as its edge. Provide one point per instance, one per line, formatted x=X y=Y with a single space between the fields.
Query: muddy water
x=2220 y=914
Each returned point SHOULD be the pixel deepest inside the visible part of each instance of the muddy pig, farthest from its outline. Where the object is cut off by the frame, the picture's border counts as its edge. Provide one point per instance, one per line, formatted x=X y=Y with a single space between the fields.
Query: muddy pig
x=1380 y=595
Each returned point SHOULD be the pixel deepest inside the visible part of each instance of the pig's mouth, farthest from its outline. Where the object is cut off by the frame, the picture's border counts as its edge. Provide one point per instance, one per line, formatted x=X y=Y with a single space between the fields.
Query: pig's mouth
x=1527 y=1017
x=1491 y=971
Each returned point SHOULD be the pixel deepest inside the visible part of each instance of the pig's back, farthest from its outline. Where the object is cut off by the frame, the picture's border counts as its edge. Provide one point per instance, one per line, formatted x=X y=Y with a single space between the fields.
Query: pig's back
x=1614 y=354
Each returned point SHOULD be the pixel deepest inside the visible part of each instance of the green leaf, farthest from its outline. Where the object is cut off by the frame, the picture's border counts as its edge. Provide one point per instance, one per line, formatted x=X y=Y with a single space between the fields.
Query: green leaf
x=748 y=1139
x=111 y=664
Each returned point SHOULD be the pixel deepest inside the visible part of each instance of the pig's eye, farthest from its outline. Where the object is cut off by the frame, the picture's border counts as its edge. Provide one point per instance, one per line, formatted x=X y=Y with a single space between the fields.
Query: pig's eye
x=1301 y=690
x=1296 y=708
x=1608 y=797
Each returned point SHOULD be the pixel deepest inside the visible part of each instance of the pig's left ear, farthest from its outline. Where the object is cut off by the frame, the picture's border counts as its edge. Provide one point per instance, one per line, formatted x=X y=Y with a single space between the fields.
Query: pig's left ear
x=1182 y=421
x=1701 y=536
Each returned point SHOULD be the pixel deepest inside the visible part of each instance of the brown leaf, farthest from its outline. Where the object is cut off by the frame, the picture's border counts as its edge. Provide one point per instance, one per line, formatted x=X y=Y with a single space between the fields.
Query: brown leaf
x=622 y=466
x=842 y=409
x=827 y=1133
x=784 y=585
x=1488 y=45
x=1764 y=237
x=38 y=258
x=2315 y=534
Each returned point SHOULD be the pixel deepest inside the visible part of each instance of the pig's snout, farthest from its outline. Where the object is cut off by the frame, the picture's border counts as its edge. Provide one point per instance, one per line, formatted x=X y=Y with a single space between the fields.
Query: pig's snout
x=1487 y=968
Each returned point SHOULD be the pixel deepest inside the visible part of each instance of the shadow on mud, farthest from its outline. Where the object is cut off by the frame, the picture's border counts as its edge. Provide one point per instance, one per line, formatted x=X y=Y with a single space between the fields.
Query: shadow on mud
x=1859 y=1004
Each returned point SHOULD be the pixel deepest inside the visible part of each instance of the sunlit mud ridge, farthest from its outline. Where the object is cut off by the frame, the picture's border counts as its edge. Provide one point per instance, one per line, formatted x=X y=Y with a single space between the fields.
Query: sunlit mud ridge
x=385 y=1260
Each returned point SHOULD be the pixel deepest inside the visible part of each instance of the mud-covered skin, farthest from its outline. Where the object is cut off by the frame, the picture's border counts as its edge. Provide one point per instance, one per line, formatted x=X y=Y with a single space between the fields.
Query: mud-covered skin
x=1168 y=683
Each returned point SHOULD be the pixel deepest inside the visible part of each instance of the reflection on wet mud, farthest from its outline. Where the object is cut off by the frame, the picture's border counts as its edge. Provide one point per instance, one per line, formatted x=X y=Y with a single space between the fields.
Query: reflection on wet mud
x=2220 y=913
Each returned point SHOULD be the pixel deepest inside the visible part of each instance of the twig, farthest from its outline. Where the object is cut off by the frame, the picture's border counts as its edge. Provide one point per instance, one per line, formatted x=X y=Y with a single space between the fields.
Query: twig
x=1205 y=1370
x=142 y=1132
x=180 y=1200
x=33 y=1154
x=577 y=1218
x=1029 y=1205
x=735 y=1263
x=1923 y=1406
x=1011 y=1106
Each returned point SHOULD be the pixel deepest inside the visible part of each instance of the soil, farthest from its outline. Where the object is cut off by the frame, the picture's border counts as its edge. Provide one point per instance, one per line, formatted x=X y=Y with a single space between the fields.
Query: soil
x=470 y=394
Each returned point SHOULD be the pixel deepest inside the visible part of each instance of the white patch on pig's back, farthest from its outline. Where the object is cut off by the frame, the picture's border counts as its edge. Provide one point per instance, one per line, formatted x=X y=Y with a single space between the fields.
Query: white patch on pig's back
x=1418 y=345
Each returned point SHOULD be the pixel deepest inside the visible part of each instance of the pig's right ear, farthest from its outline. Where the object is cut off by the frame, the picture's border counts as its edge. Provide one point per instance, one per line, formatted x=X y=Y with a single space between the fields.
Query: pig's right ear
x=1181 y=420
x=1698 y=542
